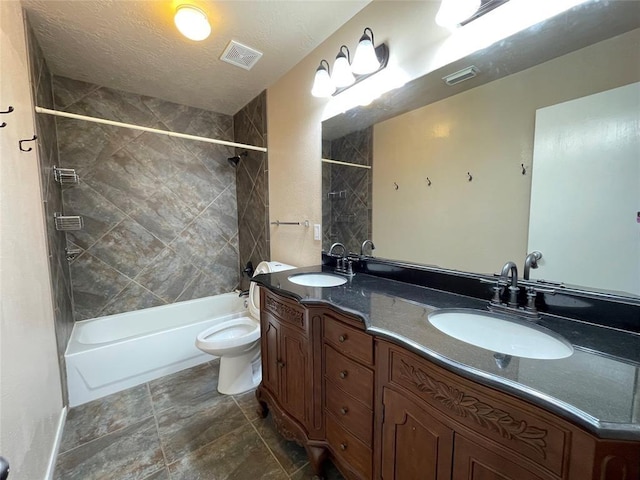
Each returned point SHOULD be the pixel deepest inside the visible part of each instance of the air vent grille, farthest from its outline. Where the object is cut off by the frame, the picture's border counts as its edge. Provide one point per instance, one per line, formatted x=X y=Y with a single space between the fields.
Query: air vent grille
x=461 y=75
x=240 y=55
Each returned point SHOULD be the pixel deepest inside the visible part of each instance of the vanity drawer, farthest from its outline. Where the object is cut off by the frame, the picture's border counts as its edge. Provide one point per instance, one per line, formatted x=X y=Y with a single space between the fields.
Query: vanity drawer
x=516 y=425
x=350 y=376
x=348 y=340
x=349 y=449
x=287 y=311
x=349 y=412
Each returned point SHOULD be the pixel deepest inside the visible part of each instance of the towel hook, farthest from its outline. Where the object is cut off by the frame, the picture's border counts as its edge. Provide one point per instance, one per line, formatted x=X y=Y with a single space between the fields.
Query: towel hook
x=35 y=137
x=470 y=177
x=396 y=185
x=9 y=110
x=428 y=182
x=524 y=169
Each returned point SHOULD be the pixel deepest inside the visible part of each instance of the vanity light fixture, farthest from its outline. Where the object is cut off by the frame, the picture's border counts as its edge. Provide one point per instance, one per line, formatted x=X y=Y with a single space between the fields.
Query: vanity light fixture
x=192 y=22
x=454 y=12
x=342 y=75
x=323 y=85
x=367 y=61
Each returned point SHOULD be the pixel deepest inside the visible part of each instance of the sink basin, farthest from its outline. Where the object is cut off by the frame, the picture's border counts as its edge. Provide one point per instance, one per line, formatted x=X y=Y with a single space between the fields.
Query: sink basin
x=317 y=279
x=501 y=334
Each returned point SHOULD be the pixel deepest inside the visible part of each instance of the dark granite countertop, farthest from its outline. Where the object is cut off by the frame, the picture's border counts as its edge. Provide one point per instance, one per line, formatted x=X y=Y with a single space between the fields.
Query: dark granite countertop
x=597 y=387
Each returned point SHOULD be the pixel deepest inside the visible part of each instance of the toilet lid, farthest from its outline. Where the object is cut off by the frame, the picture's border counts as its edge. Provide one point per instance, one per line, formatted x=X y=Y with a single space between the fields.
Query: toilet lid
x=254 y=289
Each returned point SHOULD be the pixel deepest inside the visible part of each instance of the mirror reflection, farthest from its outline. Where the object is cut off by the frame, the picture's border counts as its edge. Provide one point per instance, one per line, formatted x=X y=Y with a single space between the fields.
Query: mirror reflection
x=444 y=177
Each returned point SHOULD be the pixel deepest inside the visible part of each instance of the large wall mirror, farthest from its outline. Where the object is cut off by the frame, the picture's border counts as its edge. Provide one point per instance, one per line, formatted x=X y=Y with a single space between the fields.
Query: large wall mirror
x=443 y=175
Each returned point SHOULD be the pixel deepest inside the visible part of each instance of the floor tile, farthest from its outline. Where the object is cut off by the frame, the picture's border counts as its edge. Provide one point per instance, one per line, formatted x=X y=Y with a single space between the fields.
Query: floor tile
x=105 y=415
x=289 y=454
x=132 y=453
x=249 y=404
x=240 y=455
x=185 y=388
x=185 y=429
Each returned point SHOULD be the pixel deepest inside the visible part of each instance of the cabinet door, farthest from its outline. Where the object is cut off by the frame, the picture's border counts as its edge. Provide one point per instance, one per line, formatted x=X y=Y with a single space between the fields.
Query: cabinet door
x=296 y=373
x=414 y=444
x=474 y=462
x=271 y=354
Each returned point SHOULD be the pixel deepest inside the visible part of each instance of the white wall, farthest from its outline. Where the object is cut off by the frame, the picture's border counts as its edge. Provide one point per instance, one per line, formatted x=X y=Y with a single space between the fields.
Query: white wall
x=30 y=393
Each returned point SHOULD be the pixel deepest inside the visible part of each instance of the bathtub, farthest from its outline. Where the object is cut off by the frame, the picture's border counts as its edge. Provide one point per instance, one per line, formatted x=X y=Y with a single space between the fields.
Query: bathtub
x=116 y=352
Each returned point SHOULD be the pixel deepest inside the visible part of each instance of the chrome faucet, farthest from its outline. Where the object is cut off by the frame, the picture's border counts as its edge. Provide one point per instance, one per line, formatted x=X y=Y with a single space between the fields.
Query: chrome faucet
x=364 y=244
x=337 y=244
x=531 y=262
x=511 y=268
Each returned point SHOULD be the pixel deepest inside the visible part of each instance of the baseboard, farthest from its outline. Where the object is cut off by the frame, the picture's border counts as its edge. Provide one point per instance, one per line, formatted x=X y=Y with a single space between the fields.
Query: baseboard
x=56 y=444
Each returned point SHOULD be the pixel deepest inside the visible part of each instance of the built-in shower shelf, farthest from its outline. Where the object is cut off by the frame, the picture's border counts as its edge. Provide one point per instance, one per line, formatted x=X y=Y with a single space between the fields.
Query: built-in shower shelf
x=339 y=194
x=68 y=222
x=65 y=176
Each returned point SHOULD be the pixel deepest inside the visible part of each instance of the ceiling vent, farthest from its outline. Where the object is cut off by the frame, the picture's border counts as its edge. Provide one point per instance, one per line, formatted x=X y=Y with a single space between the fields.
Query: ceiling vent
x=461 y=75
x=240 y=55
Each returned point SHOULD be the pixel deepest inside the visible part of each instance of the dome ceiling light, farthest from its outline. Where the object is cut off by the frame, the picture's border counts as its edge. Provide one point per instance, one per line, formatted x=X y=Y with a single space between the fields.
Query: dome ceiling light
x=192 y=22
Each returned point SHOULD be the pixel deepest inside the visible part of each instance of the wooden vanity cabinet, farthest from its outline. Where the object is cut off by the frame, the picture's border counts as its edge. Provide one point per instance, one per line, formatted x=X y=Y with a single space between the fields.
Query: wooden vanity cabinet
x=437 y=425
x=380 y=411
x=348 y=394
x=291 y=385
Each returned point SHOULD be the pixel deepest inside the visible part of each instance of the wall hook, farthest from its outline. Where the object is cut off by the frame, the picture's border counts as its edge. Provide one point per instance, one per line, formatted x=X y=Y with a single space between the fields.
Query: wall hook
x=428 y=182
x=35 y=137
x=396 y=185
x=9 y=110
x=524 y=169
x=470 y=177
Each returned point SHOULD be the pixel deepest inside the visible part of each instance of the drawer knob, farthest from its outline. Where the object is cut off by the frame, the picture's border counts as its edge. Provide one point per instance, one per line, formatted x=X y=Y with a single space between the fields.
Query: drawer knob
x=344 y=410
x=342 y=338
x=343 y=446
x=280 y=363
x=343 y=374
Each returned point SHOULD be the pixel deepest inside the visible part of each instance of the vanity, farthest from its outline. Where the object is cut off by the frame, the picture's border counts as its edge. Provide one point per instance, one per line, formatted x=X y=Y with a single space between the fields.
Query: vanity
x=357 y=373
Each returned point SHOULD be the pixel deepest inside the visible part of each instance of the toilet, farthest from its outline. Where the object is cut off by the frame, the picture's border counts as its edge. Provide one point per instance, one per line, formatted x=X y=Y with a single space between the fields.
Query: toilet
x=237 y=342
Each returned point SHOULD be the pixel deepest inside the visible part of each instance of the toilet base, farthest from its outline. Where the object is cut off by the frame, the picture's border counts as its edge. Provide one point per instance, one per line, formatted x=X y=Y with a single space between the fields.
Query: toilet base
x=239 y=374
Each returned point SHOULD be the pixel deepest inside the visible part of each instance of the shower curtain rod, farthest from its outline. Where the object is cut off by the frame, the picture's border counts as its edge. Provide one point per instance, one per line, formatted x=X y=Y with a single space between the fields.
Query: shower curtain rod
x=147 y=129
x=346 y=164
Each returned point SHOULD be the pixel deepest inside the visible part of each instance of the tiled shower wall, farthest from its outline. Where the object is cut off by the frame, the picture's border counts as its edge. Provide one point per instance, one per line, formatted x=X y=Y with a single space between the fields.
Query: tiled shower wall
x=52 y=198
x=160 y=212
x=346 y=191
x=252 y=177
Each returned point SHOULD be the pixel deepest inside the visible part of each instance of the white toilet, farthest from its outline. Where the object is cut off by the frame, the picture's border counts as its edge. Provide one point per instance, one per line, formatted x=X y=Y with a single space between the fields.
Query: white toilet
x=237 y=342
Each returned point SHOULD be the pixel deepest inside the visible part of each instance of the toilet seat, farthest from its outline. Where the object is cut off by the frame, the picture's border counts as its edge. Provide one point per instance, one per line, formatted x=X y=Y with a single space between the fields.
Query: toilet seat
x=229 y=335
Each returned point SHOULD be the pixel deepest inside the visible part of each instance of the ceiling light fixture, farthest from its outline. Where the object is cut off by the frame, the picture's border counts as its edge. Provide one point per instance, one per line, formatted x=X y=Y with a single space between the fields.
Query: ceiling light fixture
x=453 y=12
x=192 y=22
x=367 y=61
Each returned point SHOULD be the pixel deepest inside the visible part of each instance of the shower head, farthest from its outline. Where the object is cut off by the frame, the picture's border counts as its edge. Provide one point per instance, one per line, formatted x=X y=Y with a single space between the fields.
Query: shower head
x=233 y=161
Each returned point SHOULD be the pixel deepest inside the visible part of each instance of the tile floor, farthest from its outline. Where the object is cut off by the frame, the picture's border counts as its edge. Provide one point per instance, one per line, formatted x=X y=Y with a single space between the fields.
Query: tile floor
x=178 y=428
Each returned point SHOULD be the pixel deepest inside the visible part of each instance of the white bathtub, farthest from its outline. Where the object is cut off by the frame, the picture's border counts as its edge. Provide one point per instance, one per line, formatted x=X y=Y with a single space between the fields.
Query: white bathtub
x=109 y=354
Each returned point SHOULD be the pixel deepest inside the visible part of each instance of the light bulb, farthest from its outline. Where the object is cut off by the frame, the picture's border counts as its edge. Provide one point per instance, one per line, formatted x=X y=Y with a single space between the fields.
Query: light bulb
x=365 y=60
x=342 y=76
x=192 y=22
x=322 y=84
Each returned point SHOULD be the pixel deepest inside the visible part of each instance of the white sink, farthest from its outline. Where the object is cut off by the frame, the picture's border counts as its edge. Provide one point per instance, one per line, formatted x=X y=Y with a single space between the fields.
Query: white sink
x=317 y=279
x=501 y=334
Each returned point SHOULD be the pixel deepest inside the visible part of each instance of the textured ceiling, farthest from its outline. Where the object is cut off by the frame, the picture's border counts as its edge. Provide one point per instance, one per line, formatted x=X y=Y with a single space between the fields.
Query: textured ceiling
x=134 y=46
